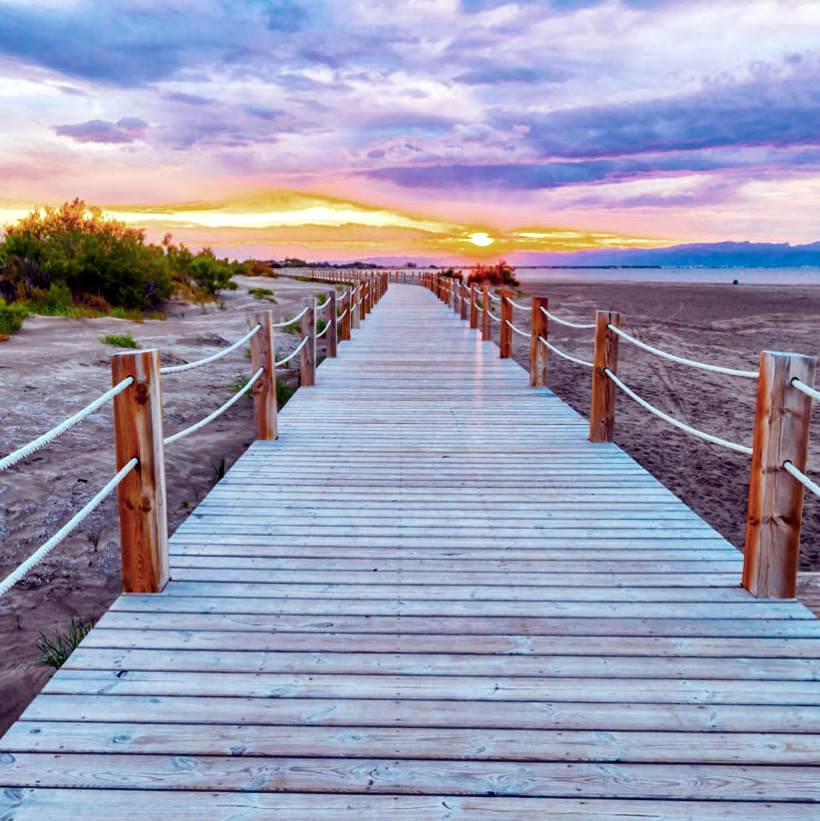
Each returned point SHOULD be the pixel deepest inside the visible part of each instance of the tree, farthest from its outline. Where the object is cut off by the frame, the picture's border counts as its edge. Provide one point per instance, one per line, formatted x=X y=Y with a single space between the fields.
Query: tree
x=500 y=274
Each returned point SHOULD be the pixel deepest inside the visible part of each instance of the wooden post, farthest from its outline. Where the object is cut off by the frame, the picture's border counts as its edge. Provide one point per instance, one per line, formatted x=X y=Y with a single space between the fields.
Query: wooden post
x=347 y=302
x=362 y=301
x=505 y=332
x=264 y=391
x=602 y=415
x=465 y=305
x=308 y=353
x=355 y=313
x=142 y=503
x=538 y=350
x=486 y=331
x=775 y=510
x=332 y=335
x=473 y=306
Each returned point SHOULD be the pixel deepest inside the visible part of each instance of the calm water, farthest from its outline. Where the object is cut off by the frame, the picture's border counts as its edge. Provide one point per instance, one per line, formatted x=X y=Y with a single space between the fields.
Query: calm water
x=725 y=276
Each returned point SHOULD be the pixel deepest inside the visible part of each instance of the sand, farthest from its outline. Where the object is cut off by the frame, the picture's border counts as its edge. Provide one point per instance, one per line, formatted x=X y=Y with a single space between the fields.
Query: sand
x=49 y=370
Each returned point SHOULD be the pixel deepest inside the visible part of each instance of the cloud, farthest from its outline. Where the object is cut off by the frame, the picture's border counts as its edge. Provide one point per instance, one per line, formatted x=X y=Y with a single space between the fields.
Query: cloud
x=186 y=99
x=284 y=15
x=493 y=75
x=126 y=130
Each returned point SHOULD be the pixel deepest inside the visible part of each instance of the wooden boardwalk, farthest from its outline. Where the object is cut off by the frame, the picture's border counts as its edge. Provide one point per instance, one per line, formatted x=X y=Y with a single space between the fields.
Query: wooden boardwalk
x=432 y=598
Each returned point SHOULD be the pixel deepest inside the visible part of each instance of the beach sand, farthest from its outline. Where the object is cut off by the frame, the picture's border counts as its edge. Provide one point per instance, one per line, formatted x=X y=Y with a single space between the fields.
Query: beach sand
x=51 y=369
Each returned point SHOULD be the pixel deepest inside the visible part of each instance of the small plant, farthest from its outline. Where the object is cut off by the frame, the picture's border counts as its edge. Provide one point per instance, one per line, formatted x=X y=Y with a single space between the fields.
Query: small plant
x=321 y=324
x=54 y=652
x=218 y=470
x=283 y=393
x=263 y=293
x=279 y=357
x=247 y=353
x=304 y=279
x=120 y=341
x=94 y=538
x=293 y=328
x=239 y=382
x=184 y=504
x=221 y=305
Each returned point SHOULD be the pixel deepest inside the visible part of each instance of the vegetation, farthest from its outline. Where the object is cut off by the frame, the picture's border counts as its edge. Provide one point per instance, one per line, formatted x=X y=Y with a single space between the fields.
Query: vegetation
x=73 y=261
x=283 y=393
x=321 y=324
x=452 y=273
x=239 y=382
x=54 y=652
x=218 y=469
x=494 y=275
x=120 y=340
x=262 y=293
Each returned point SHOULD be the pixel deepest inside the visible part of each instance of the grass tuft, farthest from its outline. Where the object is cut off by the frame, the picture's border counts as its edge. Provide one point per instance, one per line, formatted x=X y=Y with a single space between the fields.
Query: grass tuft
x=54 y=652
x=120 y=341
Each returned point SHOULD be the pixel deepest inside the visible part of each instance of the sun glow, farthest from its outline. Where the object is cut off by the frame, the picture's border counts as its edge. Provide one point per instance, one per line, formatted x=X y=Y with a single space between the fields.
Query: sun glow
x=482 y=239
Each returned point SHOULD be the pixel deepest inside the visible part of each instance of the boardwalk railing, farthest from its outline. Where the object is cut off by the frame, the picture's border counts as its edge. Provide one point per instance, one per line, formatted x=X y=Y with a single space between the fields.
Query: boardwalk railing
x=138 y=427
x=781 y=430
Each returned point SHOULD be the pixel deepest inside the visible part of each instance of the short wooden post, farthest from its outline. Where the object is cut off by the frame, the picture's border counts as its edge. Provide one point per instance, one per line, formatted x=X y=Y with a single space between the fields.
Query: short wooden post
x=465 y=305
x=775 y=512
x=538 y=350
x=264 y=390
x=141 y=495
x=308 y=353
x=505 y=332
x=602 y=414
x=347 y=303
x=355 y=309
x=362 y=300
x=473 y=306
x=453 y=296
x=486 y=330
x=332 y=334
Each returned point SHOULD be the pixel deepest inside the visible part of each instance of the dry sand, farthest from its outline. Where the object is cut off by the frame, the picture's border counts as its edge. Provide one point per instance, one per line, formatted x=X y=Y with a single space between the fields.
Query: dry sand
x=49 y=370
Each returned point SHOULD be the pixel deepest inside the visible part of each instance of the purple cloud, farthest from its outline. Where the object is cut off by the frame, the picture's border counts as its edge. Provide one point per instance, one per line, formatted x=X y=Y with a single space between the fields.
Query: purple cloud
x=494 y=75
x=126 y=130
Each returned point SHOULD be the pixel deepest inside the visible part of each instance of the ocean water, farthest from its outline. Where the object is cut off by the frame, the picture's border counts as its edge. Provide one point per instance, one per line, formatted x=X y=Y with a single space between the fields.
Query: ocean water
x=723 y=276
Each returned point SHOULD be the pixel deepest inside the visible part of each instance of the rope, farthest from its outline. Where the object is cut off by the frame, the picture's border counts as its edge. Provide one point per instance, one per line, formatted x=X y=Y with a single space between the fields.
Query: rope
x=322 y=332
x=802 y=478
x=522 y=307
x=78 y=519
x=323 y=305
x=493 y=298
x=218 y=412
x=208 y=359
x=342 y=316
x=560 y=353
x=27 y=450
x=493 y=316
x=518 y=330
x=295 y=319
x=560 y=321
x=288 y=358
x=681 y=360
x=715 y=440
x=804 y=388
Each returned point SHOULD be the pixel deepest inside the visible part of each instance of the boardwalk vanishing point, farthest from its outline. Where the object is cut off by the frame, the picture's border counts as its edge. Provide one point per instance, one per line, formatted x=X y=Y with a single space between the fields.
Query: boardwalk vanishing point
x=432 y=598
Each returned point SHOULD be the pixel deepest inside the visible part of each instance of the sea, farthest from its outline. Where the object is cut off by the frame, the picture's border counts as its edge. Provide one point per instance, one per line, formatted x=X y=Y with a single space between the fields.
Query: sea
x=721 y=276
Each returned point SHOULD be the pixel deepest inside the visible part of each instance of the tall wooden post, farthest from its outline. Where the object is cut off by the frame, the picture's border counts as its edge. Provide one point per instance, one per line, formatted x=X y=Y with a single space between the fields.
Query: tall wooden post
x=505 y=333
x=486 y=330
x=141 y=494
x=308 y=353
x=264 y=390
x=775 y=510
x=473 y=306
x=465 y=305
x=332 y=335
x=362 y=300
x=538 y=350
x=347 y=303
x=602 y=415
x=355 y=309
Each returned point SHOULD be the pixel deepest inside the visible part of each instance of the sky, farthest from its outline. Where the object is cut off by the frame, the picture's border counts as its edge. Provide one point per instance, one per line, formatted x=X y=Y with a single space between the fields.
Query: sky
x=446 y=129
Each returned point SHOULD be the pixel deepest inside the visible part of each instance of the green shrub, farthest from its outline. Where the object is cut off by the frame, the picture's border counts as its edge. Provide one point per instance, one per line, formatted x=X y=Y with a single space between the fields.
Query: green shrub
x=262 y=293
x=11 y=317
x=321 y=324
x=283 y=393
x=54 y=652
x=120 y=341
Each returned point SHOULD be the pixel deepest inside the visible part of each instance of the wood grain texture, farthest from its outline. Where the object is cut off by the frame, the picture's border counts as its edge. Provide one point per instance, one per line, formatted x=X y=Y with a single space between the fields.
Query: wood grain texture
x=331 y=337
x=504 y=330
x=775 y=513
x=432 y=598
x=307 y=356
x=602 y=414
x=264 y=391
x=539 y=327
x=141 y=495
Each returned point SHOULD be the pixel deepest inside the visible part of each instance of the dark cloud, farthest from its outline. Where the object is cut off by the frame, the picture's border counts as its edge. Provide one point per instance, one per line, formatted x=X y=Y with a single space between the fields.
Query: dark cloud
x=493 y=75
x=284 y=15
x=187 y=99
x=126 y=130
x=263 y=112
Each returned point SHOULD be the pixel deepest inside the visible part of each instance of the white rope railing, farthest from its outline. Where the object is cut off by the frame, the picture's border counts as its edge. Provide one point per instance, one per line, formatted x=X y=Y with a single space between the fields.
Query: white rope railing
x=707 y=437
x=493 y=297
x=520 y=307
x=518 y=330
x=288 y=358
x=580 y=325
x=493 y=316
x=322 y=332
x=41 y=441
x=342 y=316
x=218 y=411
x=208 y=359
x=566 y=356
x=291 y=321
x=323 y=305
x=682 y=360
x=807 y=389
x=43 y=551
x=802 y=478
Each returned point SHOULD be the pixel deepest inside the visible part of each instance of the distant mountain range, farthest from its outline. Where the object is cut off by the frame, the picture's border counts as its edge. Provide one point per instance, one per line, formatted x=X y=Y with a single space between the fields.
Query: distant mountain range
x=706 y=255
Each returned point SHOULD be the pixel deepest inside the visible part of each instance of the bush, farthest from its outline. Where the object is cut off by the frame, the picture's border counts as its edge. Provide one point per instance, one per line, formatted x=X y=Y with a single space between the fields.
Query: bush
x=500 y=274
x=262 y=293
x=11 y=317
x=120 y=340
